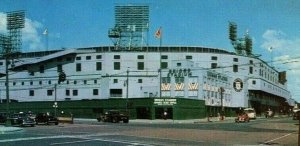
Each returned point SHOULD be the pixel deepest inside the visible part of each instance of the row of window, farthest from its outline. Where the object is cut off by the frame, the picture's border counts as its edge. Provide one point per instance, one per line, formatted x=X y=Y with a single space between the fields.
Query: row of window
x=50 y=82
x=67 y=92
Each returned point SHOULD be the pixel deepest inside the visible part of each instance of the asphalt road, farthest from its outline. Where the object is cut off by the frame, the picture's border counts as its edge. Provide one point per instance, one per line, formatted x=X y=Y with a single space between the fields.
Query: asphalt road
x=277 y=131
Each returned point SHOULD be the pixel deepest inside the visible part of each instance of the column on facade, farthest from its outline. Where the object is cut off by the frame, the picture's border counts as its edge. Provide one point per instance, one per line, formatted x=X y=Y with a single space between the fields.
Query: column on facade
x=186 y=86
x=172 y=86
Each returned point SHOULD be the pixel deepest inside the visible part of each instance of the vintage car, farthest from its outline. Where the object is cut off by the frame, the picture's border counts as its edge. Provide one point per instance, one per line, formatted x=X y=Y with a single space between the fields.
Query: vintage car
x=113 y=116
x=243 y=117
x=21 y=119
x=250 y=112
x=46 y=118
x=296 y=114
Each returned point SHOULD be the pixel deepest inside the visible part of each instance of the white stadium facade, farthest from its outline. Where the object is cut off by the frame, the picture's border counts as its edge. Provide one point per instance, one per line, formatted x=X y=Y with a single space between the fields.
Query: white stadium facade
x=216 y=76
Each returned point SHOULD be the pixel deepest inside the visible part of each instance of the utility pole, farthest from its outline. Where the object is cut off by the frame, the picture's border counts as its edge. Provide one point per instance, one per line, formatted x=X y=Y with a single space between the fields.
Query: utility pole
x=127 y=84
x=222 y=107
x=55 y=99
x=7 y=81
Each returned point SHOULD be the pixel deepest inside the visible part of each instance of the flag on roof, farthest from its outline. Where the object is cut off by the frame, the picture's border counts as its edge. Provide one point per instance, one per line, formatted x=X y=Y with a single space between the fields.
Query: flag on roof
x=158 y=33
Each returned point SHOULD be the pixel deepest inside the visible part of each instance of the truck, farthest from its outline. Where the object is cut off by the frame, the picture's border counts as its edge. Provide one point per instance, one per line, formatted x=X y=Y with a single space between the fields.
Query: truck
x=114 y=116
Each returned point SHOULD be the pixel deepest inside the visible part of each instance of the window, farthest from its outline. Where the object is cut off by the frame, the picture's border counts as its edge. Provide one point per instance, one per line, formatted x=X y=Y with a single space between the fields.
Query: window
x=88 y=58
x=253 y=82
x=140 y=80
x=251 y=70
x=164 y=57
x=42 y=69
x=69 y=59
x=98 y=65
x=178 y=64
x=59 y=68
x=179 y=80
x=117 y=66
x=95 y=81
x=164 y=65
x=49 y=92
x=31 y=92
x=22 y=83
x=75 y=82
x=14 y=83
x=95 y=92
x=214 y=58
x=1 y=63
x=115 y=80
x=40 y=82
x=84 y=82
x=251 y=61
x=214 y=65
x=140 y=65
x=31 y=82
x=140 y=57
x=166 y=80
x=188 y=57
x=117 y=57
x=235 y=68
x=99 y=57
x=78 y=58
x=78 y=67
x=235 y=59
x=67 y=92
x=75 y=92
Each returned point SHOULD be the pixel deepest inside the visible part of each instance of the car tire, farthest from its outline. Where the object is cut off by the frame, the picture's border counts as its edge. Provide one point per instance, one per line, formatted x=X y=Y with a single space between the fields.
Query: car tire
x=125 y=121
x=115 y=120
x=56 y=123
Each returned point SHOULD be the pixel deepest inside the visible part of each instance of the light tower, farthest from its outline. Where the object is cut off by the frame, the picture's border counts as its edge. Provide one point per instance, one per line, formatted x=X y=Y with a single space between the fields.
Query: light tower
x=131 y=27
x=11 y=43
x=15 y=23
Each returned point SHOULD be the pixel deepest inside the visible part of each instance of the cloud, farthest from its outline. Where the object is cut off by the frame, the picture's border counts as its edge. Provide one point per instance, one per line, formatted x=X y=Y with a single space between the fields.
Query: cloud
x=31 y=35
x=280 y=42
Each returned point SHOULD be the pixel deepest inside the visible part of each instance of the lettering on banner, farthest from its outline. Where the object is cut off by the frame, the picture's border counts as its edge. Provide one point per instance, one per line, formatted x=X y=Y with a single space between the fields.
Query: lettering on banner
x=165 y=101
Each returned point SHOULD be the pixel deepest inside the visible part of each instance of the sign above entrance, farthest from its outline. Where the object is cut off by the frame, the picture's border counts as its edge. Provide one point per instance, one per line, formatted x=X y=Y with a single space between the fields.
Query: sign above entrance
x=165 y=101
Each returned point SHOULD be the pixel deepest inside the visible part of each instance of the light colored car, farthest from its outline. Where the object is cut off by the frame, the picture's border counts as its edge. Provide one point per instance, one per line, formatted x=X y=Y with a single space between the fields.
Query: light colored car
x=250 y=112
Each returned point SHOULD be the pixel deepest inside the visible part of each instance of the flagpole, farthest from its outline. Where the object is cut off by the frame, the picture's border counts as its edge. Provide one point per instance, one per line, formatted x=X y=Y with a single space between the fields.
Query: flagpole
x=160 y=78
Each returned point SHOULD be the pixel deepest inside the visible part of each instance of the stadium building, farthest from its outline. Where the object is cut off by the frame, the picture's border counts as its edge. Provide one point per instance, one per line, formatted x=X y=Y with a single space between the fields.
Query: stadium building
x=187 y=82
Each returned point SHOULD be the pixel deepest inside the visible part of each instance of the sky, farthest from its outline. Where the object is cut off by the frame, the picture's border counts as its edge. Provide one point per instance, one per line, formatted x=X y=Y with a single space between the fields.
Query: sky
x=85 y=23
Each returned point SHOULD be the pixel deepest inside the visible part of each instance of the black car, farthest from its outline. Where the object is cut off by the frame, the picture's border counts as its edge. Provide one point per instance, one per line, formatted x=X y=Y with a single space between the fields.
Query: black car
x=3 y=118
x=45 y=118
x=114 y=116
x=21 y=119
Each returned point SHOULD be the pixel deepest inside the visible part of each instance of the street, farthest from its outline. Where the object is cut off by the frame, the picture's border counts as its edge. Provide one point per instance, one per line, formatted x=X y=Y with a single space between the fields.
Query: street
x=276 y=131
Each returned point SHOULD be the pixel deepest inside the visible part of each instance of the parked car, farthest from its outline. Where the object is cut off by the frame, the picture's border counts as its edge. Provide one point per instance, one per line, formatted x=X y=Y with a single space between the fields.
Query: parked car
x=250 y=112
x=114 y=116
x=46 y=118
x=21 y=119
x=296 y=114
x=3 y=118
x=243 y=117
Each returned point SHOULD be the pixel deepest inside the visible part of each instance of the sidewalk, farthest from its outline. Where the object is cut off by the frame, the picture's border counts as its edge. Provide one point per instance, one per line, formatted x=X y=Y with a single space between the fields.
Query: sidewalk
x=4 y=129
x=168 y=121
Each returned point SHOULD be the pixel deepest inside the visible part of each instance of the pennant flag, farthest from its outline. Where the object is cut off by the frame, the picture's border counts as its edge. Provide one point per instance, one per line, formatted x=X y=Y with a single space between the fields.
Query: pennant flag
x=158 y=33
x=45 y=32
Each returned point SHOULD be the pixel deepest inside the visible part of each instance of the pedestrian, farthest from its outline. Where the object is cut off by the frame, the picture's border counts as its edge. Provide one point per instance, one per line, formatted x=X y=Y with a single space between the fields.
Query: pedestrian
x=165 y=115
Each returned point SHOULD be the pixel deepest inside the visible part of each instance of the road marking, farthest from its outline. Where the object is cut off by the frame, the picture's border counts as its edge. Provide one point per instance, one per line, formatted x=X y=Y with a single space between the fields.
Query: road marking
x=130 y=143
x=278 y=138
x=35 y=138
